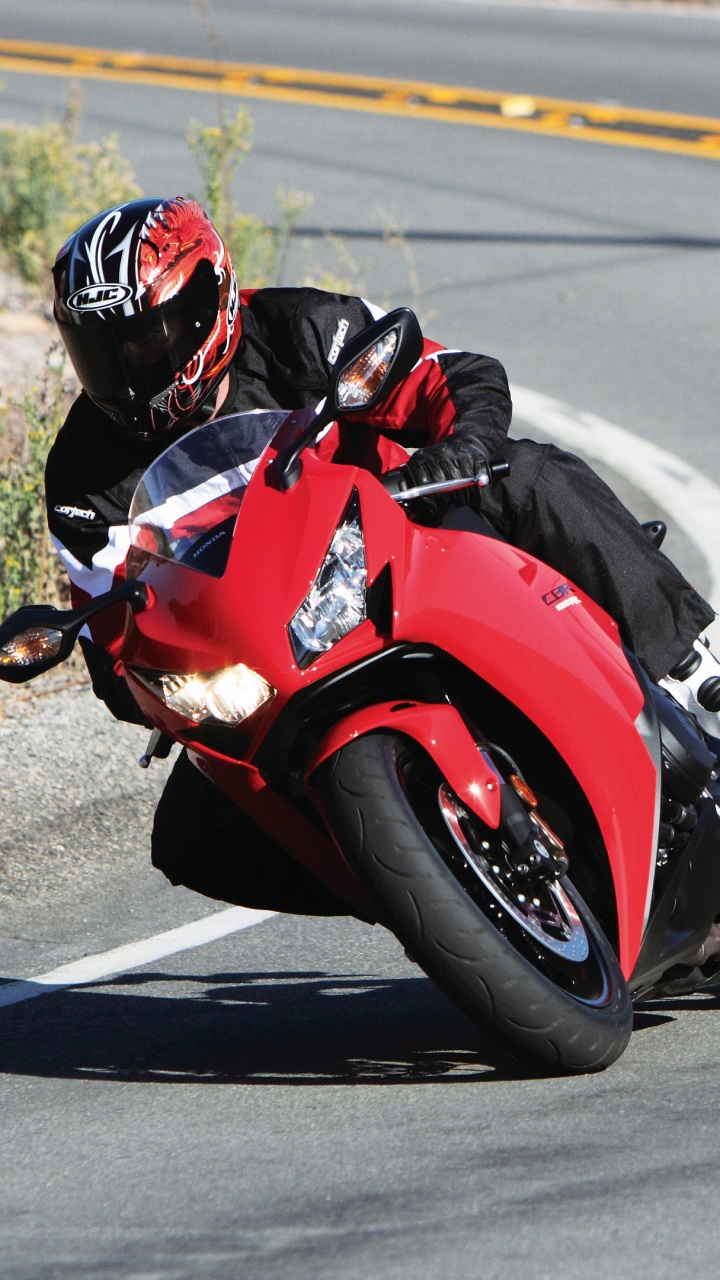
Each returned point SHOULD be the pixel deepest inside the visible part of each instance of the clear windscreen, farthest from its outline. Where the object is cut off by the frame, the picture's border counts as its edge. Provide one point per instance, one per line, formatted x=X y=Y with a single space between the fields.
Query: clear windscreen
x=187 y=503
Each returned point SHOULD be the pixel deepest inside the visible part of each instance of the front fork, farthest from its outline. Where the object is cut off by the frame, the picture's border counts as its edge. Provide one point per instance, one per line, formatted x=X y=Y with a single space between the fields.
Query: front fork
x=464 y=759
x=534 y=851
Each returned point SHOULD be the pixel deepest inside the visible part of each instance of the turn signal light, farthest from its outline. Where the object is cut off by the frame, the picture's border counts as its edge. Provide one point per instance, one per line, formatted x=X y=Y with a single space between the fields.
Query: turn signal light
x=359 y=382
x=31 y=647
x=526 y=795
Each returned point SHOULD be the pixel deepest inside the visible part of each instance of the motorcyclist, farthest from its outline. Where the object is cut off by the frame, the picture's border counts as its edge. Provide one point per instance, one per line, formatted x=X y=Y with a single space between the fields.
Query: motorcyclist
x=162 y=340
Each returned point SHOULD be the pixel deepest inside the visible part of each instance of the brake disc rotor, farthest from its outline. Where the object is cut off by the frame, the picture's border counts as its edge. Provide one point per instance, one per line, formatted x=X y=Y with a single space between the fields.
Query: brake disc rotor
x=545 y=911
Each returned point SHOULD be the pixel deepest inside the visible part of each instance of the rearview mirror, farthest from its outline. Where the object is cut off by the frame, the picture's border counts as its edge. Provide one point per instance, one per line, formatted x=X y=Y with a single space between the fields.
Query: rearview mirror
x=38 y=636
x=369 y=367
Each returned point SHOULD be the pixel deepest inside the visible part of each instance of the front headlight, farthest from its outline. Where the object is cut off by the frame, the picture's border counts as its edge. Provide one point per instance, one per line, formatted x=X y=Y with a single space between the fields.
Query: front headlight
x=335 y=604
x=219 y=697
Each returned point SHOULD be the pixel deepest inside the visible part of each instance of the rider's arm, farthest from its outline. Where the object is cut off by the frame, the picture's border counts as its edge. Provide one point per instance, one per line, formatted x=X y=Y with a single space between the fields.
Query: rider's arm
x=90 y=534
x=463 y=403
x=454 y=407
x=449 y=394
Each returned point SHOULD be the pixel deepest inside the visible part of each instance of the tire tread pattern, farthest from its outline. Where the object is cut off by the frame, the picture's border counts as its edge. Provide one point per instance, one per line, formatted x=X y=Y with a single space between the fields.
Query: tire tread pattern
x=447 y=933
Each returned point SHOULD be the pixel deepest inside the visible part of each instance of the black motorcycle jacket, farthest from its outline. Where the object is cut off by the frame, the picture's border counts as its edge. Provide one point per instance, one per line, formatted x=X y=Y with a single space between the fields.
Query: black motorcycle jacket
x=291 y=338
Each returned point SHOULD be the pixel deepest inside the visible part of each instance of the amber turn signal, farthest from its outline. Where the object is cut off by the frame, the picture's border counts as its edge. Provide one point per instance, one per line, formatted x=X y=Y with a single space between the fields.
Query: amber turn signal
x=527 y=796
x=35 y=645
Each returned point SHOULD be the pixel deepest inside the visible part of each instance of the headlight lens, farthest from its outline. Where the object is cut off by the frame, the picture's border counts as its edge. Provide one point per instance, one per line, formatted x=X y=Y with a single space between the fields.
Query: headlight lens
x=220 y=697
x=335 y=604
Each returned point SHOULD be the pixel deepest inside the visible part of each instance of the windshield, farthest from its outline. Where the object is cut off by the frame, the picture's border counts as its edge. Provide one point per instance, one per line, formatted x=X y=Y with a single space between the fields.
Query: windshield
x=186 y=504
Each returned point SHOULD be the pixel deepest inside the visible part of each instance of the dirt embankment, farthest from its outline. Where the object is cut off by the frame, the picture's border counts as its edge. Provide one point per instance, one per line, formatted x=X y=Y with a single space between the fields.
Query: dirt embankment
x=26 y=335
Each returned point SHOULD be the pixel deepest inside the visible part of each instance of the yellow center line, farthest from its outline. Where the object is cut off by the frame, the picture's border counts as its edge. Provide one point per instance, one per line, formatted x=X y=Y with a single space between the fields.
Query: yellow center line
x=586 y=121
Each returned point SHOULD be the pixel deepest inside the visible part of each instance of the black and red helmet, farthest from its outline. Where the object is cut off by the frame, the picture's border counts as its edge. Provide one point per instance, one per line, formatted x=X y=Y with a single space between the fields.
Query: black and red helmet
x=146 y=302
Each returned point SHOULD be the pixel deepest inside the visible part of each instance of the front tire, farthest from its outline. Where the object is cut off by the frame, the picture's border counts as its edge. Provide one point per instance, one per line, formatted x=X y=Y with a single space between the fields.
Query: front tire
x=544 y=975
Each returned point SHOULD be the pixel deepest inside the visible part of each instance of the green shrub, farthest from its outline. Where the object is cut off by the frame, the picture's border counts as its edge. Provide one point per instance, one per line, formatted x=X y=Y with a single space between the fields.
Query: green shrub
x=258 y=251
x=29 y=567
x=218 y=151
x=50 y=184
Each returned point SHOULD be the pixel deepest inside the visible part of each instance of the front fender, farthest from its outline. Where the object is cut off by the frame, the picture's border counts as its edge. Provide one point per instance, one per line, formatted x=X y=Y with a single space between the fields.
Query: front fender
x=441 y=731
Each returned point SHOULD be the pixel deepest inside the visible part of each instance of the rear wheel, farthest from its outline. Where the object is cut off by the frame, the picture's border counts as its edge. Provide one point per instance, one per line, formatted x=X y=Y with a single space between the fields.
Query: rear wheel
x=528 y=957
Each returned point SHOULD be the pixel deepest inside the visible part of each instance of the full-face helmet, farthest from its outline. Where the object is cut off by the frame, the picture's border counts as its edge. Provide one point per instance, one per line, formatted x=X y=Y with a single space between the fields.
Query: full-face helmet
x=146 y=302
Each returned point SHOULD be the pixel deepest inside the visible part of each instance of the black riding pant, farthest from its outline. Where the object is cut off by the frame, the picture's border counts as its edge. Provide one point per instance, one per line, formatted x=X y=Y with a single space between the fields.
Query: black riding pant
x=551 y=505
x=202 y=840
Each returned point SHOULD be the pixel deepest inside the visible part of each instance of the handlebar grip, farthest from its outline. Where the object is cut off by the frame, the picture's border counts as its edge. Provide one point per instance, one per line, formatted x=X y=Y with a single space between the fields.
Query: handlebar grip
x=496 y=470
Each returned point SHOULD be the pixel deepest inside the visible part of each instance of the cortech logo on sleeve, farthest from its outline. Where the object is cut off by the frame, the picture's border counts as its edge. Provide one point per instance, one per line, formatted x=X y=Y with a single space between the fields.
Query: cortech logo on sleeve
x=76 y=513
x=338 y=339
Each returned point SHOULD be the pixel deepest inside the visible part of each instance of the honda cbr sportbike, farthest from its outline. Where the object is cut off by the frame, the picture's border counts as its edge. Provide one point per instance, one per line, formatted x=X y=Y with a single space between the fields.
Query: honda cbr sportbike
x=437 y=725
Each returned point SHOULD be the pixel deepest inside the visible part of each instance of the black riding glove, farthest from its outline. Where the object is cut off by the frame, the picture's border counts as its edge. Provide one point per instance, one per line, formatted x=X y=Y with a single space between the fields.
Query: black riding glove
x=453 y=458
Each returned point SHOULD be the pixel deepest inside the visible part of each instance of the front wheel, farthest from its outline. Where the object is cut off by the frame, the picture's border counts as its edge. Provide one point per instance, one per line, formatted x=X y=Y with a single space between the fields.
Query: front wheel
x=530 y=960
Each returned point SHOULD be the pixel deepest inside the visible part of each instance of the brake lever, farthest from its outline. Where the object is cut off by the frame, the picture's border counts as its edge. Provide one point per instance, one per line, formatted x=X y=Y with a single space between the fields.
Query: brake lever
x=487 y=475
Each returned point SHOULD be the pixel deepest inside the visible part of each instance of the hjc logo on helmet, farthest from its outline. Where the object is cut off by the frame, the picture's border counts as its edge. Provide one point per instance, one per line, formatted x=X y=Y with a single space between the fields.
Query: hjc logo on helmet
x=96 y=297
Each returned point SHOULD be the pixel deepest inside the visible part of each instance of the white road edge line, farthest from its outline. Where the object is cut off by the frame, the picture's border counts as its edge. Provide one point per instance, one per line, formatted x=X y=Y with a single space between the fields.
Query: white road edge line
x=687 y=495
x=108 y=963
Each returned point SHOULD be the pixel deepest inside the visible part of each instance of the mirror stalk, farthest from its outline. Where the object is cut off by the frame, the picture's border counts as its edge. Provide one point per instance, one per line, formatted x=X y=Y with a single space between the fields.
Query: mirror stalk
x=61 y=628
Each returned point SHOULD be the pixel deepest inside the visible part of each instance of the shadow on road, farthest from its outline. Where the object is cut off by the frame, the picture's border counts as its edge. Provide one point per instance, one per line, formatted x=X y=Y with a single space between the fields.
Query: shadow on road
x=255 y=1029
x=697 y=1002
x=566 y=239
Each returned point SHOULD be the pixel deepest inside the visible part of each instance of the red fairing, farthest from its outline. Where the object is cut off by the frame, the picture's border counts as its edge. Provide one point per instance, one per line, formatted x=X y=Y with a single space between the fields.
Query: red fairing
x=521 y=627
x=558 y=658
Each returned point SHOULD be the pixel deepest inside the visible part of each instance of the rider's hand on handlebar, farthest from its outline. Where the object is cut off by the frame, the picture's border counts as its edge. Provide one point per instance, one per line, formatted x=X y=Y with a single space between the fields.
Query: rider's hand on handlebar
x=451 y=459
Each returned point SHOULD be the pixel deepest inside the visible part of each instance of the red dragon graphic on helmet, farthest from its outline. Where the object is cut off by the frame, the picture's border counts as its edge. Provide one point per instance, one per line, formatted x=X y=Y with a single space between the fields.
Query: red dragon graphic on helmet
x=172 y=244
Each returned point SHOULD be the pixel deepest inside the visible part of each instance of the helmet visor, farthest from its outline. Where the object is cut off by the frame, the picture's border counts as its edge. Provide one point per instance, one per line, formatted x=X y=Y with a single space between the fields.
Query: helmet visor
x=140 y=355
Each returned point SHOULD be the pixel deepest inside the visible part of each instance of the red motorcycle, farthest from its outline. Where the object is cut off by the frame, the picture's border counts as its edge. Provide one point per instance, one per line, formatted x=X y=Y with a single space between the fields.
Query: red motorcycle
x=440 y=727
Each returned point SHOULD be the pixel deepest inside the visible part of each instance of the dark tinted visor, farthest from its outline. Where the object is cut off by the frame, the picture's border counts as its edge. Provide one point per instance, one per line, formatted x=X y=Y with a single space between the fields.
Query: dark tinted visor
x=140 y=355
